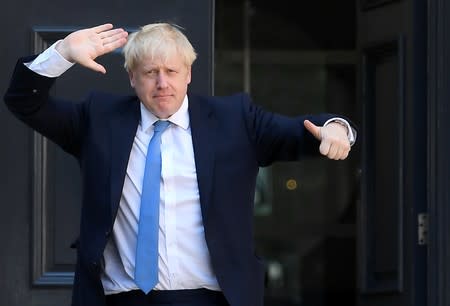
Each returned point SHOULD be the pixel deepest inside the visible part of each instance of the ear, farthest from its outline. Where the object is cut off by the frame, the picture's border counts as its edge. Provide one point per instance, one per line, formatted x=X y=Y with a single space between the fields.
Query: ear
x=188 y=75
x=131 y=77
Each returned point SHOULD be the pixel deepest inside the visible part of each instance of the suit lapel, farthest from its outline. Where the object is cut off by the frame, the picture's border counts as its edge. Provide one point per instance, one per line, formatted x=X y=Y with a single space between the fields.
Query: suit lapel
x=203 y=128
x=122 y=132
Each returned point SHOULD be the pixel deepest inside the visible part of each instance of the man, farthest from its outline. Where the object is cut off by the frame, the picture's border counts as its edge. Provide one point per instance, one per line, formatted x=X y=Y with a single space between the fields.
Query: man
x=206 y=162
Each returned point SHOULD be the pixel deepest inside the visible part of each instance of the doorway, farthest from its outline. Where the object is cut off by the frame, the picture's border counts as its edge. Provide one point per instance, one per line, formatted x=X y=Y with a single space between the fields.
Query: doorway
x=293 y=62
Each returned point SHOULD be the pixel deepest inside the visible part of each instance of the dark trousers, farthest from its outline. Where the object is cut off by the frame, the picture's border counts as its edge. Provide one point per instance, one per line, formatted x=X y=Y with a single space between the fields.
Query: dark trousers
x=194 y=297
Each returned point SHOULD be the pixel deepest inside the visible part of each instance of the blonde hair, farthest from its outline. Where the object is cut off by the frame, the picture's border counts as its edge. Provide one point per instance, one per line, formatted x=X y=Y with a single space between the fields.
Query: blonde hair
x=157 y=41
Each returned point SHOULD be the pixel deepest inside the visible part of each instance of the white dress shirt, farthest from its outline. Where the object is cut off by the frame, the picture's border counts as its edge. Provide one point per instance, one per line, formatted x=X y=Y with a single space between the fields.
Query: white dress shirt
x=184 y=260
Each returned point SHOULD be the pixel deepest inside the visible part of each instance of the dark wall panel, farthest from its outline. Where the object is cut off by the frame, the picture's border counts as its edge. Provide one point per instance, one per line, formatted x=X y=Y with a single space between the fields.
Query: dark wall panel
x=40 y=187
x=382 y=194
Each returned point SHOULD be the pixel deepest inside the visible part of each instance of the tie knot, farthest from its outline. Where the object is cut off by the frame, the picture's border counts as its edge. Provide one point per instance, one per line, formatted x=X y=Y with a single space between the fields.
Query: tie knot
x=161 y=125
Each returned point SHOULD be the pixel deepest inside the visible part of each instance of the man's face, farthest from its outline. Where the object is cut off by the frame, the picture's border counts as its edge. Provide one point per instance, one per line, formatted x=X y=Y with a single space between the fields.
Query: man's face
x=161 y=85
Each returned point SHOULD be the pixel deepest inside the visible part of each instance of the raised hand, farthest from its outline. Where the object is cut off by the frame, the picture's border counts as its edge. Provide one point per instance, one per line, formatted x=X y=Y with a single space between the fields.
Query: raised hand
x=84 y=46
x=334 y=142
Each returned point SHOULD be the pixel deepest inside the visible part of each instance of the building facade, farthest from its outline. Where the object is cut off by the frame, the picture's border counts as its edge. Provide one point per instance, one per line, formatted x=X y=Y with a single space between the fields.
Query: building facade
x=370 y=230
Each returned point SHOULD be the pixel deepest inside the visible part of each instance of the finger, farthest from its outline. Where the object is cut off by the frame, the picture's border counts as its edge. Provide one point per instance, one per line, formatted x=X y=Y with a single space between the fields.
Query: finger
x=108 y=47
x=333 y=152
x=344 y=155
x=102 y=28
x=112 y=33
x=116 y=40
x=342 y=152
x=313 y=129
x=346 y=152
x=95 y=66
x=324 y=148
x=339 y=153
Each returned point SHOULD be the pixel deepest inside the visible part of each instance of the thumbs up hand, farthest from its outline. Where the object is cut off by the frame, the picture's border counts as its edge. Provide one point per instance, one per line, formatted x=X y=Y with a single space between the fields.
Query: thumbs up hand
x=334 y=142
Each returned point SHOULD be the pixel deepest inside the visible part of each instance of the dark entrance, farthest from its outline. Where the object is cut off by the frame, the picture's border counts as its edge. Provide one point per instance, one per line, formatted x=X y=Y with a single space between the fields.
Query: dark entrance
x=337 y=232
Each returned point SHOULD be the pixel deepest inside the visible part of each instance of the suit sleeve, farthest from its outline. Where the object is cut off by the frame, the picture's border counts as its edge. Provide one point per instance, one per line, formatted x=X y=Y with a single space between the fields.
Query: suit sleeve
x=280 y=138
x=27 y=97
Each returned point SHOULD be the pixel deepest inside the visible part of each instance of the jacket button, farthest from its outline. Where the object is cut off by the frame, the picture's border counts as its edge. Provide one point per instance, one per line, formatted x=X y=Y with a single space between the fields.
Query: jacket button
x=95 y=267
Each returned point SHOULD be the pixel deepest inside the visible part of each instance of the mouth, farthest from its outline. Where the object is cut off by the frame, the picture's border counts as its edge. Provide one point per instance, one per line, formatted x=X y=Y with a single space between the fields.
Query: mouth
x=162 y=96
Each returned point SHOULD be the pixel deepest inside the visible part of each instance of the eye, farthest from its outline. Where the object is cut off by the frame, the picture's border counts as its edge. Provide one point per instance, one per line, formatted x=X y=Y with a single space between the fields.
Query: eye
x=152 y=71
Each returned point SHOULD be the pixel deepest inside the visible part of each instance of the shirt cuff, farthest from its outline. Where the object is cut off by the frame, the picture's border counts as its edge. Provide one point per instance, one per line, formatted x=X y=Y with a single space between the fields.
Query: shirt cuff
x=351 y=132
x=50 y=63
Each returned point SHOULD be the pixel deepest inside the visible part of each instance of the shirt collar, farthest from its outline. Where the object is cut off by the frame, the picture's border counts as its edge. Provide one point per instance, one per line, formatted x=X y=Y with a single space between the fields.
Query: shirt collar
x=180 y=117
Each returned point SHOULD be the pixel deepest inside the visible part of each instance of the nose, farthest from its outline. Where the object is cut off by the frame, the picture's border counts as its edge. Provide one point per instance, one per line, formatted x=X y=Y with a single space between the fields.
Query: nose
x=162 y=80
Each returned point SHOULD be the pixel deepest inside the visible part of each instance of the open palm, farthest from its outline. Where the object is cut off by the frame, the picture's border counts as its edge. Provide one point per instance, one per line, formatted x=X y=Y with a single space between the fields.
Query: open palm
x=84 y=46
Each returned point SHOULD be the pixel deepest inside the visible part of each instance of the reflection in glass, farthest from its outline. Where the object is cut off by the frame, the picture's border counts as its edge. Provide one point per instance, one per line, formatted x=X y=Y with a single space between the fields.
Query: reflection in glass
x=292 y=62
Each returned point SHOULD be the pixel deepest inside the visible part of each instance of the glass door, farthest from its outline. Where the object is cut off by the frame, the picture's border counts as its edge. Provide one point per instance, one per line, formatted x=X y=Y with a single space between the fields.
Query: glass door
x=298 y=60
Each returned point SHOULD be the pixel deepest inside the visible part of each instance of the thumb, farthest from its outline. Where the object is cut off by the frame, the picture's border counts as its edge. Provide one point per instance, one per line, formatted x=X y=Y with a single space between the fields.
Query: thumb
x=313 y=129
x=93 y=65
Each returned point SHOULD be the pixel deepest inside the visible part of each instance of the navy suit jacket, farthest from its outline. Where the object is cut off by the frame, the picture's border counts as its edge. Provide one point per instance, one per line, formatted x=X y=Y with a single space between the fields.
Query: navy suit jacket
x=232 y=138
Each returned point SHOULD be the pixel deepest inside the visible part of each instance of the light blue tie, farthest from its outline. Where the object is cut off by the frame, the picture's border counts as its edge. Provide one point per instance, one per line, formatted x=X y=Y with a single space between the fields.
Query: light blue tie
x=146 y=266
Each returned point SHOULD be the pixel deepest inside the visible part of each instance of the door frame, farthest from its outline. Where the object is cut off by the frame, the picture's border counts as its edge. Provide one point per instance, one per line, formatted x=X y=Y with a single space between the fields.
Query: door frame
x=438 y=176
